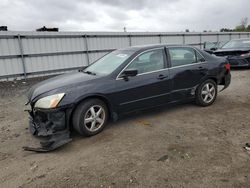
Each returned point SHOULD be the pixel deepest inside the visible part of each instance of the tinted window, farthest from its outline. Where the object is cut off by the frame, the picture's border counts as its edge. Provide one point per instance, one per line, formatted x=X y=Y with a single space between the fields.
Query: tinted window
x=148 y=61
x=199 y=58
x=184 y=56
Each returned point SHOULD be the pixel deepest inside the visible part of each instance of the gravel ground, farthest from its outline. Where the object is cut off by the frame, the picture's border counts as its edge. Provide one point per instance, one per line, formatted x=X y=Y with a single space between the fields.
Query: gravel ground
x=178 y=146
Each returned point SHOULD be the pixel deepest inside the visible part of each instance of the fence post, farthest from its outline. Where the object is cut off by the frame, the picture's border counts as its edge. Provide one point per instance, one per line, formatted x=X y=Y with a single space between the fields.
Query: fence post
x=160 y=38
x=183 y=38
x=22 y=56
x=129 y=40
x=217 y=35
x=200 y=42
x=87 y=48
x=230 y=36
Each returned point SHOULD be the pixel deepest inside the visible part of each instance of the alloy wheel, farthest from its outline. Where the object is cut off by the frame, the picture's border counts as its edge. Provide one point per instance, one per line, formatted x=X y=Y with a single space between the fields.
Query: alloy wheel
x=208 y=92
x=94 y=118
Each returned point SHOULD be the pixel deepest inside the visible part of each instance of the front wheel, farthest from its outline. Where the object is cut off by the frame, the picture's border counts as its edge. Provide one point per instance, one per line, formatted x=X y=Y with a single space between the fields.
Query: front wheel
x=206 y=93
x=90 y=117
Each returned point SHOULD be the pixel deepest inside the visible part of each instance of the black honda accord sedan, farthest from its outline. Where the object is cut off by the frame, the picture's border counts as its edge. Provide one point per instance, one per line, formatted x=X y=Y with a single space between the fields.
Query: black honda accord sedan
x=122 y=81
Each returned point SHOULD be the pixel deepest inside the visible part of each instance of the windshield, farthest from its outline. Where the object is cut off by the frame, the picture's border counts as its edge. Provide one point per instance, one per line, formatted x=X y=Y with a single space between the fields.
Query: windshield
x=209 y=45
x=237 y=44
x=221 y=43
x=108 y=63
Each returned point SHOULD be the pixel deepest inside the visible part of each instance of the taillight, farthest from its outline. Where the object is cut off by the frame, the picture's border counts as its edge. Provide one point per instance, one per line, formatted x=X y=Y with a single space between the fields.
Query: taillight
x=227 y=66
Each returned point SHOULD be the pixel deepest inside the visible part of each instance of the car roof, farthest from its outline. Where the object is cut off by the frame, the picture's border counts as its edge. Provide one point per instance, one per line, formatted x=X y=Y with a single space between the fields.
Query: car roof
x=150 y=46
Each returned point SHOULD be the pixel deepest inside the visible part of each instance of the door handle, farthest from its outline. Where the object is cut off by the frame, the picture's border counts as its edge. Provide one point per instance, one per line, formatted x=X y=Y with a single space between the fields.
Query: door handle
x=200 y=67
x=161 y=77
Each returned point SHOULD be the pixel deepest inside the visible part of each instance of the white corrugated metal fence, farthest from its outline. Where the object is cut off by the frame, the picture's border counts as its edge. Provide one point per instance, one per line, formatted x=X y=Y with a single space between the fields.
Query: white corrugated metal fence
x=29 y=54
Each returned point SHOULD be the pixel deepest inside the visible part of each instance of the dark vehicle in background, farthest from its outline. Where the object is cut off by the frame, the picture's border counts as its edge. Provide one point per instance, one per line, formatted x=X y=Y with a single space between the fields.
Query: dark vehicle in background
x=122 y=81
x=210 y=47
x=237 y=52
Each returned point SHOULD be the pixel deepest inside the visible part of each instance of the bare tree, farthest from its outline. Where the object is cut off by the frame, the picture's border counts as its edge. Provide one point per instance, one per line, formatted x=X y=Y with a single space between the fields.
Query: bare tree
x=244 y=22
x=243 y=25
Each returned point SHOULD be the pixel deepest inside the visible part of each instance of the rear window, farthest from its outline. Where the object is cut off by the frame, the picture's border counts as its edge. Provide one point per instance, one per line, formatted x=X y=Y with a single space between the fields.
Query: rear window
x=183 y=56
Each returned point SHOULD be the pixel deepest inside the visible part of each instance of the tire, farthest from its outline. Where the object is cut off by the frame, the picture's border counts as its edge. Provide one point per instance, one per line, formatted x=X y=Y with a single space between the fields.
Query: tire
x=86 y=115
x=201 y=93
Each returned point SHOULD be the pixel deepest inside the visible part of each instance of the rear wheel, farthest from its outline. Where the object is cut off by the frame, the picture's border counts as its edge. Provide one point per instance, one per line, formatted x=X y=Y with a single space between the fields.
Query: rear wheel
x=206 y=93
x=90 y=117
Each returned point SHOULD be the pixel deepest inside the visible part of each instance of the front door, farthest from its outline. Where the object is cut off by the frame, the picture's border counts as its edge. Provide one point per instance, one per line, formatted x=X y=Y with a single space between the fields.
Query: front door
x=149 y=88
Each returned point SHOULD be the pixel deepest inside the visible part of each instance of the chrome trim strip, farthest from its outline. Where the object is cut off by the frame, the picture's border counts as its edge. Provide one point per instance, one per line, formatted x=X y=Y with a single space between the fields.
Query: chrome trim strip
x=188 y=65
x=147 y=73
x=154 y=96
x=152 y=71
x=160 y=95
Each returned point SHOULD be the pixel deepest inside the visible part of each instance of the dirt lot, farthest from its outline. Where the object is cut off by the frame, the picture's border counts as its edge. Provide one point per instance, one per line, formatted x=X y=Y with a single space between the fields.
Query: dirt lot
x=179 y=146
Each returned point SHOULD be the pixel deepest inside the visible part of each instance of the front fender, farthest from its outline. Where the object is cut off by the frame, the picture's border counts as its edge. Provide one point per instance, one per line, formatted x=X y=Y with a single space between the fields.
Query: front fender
x=111 y=107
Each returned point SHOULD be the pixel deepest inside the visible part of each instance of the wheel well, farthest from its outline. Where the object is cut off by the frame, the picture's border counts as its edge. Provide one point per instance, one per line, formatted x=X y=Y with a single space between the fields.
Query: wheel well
x=214 y=79
x=92 y=97
x=209 y=78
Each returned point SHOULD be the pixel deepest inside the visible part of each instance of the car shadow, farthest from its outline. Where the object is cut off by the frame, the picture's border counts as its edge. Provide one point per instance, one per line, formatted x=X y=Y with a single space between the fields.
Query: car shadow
x=107 y=134
x=153 y=111
x=139 y=114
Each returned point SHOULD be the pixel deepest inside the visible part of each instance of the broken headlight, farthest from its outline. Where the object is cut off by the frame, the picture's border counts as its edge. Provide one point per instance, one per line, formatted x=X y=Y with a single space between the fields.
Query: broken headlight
x=50 y=101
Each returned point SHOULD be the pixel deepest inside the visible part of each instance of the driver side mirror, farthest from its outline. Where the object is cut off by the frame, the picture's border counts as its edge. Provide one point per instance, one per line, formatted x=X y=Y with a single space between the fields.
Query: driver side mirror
x=129 y=73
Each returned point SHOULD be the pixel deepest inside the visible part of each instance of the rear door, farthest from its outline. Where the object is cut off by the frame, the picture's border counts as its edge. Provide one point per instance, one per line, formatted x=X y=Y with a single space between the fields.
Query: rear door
x=188 y=68
x=149 y=88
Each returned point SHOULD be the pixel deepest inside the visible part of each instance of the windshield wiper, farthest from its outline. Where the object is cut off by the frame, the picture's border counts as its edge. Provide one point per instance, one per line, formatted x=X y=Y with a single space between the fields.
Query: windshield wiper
x=89 y=72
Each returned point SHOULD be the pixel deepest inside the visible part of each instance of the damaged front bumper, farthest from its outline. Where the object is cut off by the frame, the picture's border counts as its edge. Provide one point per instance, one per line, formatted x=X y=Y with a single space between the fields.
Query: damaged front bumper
x=239 y=61
x=52 y=126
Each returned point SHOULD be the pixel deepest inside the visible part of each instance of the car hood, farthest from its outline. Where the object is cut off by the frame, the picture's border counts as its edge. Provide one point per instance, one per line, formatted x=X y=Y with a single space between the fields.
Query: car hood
x=63 y=81
x=231 y=51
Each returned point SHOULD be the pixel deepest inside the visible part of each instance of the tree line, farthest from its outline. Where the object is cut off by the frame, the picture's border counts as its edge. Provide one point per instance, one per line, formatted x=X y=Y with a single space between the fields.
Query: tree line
x=242 y=27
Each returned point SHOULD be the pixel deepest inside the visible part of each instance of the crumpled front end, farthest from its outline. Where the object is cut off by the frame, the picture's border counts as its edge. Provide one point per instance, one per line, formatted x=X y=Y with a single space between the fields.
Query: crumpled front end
x=239 y=62
x=51 y=125
x=236 y=58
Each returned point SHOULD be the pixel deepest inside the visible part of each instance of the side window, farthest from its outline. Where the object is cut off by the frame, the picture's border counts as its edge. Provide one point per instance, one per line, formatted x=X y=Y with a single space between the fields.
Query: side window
x=199 y=57
x=183 y=56
x=149 y=61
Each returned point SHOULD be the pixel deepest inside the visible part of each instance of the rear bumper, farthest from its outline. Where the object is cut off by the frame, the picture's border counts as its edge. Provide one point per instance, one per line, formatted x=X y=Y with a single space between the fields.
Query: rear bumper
x=52 y=125
x=226 y=80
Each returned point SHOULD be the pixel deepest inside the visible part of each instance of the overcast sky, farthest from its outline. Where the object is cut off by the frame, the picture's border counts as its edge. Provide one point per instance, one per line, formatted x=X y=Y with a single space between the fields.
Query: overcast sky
x=113 y=15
